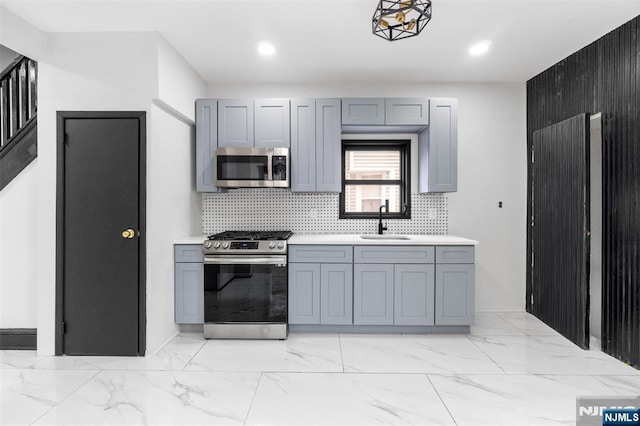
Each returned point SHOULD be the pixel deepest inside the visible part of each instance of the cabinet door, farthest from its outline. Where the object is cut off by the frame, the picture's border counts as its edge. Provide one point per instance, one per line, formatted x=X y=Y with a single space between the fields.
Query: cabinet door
x=413 y=294
x=271 y=123
x=336 y=293
x=455 y=294
x=303 y=145
x=189 y=297
x=206 y=144
x=406 y=111
x=235 y=123
x=362 y=111
x=438 y=148
x=304 y=293
x=373 y=294
x=328 y=145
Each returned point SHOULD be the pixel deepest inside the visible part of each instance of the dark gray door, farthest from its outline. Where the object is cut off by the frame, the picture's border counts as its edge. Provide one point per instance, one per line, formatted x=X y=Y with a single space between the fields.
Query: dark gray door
x=100 y=252
x=560 y=228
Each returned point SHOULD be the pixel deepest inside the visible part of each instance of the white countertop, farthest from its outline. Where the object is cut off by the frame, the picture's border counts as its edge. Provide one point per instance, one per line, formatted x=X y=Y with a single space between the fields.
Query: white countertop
x=190 y=240
x=356 y=240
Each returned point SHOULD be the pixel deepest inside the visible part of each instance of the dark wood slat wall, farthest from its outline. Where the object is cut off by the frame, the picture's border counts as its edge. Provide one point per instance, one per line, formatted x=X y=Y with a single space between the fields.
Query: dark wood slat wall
x=603 y=77
x=560 y=271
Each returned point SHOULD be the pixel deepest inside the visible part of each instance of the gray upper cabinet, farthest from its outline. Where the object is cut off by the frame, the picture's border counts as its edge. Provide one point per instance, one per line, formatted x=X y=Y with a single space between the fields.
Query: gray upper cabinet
x=271 y=126
x=315 y=145
x=373 y=294
x=363 y=111
x=414 y=294
x=328 y=145
x=303 y=145
x=235 y=123
x=406 y=111
x=438 y=148
x=206 y=144
x=385 y=112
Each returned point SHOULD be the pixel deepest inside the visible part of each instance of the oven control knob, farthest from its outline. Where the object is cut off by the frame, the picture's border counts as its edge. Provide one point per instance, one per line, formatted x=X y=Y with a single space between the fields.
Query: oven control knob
x=280 y=245
x=272 y=245
x=216 y=245
x=225 y=245
x=208 y=244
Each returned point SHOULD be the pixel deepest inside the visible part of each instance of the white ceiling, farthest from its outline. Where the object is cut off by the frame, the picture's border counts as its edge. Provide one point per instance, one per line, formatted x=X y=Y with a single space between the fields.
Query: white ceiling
x=331 y=40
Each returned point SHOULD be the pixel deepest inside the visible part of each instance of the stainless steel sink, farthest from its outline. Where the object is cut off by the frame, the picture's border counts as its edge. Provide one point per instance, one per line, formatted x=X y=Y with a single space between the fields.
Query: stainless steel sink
x=384 y=237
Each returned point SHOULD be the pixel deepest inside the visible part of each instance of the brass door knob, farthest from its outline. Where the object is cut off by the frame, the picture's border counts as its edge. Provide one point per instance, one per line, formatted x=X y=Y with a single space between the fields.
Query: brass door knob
x=128 y=233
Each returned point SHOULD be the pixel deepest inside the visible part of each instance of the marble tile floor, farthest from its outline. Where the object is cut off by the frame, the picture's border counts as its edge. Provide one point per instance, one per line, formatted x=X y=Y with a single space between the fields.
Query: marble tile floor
x=512 y=369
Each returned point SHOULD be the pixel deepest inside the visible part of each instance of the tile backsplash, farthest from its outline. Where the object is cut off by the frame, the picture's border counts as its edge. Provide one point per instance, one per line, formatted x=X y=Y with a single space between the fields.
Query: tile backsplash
x=280 y=209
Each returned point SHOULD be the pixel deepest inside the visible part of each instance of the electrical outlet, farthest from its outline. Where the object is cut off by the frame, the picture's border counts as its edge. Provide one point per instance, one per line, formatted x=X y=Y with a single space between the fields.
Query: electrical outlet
x=313 y=213
x=432 y=214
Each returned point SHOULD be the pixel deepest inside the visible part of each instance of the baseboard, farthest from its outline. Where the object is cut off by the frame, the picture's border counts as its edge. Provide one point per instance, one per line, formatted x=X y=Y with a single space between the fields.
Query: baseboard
x=18 y=338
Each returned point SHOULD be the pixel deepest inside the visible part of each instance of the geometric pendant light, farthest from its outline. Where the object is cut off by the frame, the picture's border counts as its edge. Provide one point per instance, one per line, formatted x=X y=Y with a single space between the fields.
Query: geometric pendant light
x=395 y=20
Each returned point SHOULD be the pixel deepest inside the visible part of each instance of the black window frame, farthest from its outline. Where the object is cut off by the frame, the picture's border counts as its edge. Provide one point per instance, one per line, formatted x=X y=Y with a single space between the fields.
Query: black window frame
x=404 y=147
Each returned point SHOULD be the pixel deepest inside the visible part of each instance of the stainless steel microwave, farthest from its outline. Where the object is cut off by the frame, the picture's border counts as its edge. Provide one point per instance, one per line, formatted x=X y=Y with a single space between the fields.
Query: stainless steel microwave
x=252 y=167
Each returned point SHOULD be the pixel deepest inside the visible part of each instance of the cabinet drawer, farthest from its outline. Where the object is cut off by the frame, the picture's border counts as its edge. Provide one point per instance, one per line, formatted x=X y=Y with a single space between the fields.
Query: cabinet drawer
x=321 y=254
x=393 y=254
x=455 y=254
x=189 y=253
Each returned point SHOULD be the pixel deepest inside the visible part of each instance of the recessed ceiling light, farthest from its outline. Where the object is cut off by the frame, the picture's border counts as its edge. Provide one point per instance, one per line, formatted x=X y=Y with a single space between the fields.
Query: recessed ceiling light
x=480 y=48
x=266 y=49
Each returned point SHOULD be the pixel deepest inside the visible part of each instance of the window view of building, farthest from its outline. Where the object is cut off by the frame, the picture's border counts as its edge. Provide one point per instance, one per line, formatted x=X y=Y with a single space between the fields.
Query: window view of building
x=372 y=174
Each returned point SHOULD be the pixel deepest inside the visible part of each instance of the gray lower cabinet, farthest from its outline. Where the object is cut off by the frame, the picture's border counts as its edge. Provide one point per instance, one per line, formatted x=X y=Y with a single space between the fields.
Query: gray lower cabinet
x=189 y=284
x=373 y=294
x=381 y=285
x=438 y=148
x=414 y=295
x=455 y=286
x=320 y=293
x=336 y=293
x=304 y=293
x=400 y=294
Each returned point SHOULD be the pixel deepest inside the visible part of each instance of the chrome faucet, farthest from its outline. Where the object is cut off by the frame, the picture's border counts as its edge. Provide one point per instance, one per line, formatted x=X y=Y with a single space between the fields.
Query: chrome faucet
x=381 y=227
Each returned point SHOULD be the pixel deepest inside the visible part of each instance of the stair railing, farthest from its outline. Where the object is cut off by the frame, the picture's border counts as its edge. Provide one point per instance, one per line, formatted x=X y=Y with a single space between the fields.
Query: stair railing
x=18 y=98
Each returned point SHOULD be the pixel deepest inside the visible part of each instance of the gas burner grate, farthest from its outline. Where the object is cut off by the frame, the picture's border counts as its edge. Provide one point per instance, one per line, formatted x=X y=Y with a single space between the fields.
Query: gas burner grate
x=251 y=235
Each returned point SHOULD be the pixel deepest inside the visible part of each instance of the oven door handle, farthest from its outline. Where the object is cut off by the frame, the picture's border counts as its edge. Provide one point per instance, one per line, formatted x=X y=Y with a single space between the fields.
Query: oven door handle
x=246 y=260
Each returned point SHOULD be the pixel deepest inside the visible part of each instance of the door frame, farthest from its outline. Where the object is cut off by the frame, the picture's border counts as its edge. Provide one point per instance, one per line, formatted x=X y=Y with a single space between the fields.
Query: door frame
x=61 y=116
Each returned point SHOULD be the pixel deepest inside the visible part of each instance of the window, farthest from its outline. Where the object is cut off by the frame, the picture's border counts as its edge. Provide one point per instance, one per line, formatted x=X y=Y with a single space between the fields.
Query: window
x=372 y=172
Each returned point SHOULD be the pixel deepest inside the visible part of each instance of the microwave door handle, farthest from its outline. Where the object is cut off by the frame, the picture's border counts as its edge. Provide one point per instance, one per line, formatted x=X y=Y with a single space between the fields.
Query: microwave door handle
x=270 y=167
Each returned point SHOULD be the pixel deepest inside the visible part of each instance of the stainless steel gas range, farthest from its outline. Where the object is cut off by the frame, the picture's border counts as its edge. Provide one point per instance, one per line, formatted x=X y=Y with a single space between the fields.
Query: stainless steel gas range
x=245 y=285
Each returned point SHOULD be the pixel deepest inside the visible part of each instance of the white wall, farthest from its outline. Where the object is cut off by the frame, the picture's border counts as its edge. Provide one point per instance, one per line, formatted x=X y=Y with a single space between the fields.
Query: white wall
x=6 y=57
x=19 y=35
x=18 y=265
x=18 y=200
x=178 y=84
x=492 y=167
x=171 y=199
